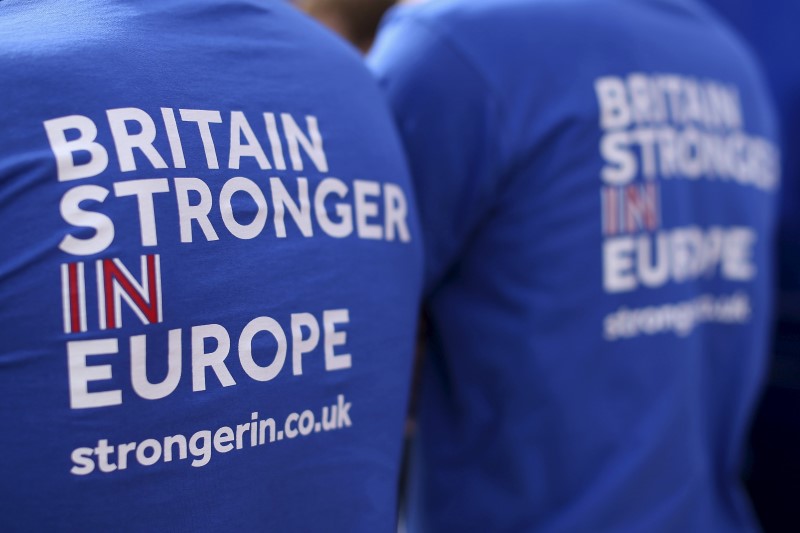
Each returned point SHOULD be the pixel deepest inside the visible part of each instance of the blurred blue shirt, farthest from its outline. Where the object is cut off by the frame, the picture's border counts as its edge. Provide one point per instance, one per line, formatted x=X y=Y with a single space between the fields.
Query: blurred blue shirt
x=597 y=182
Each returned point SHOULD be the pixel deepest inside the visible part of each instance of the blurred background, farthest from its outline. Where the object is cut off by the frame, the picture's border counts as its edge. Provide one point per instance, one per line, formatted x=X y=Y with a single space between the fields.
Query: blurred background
x=772 y=28
x=355 y=20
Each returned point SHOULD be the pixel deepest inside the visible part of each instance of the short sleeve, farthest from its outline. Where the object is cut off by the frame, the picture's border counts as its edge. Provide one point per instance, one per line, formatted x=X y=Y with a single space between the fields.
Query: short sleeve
x=450 y=124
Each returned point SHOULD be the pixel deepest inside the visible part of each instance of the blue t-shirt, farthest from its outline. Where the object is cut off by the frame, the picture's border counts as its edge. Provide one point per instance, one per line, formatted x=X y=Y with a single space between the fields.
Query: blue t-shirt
x=596 y=181
x=209 y=272
x=770 y=27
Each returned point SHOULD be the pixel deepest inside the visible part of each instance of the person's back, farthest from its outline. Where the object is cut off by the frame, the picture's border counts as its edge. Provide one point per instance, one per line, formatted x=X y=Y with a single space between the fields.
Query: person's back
x=596 y=183
x=208 y=274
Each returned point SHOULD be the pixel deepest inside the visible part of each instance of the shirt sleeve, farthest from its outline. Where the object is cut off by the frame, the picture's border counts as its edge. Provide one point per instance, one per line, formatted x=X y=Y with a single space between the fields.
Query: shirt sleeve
x=450 y=123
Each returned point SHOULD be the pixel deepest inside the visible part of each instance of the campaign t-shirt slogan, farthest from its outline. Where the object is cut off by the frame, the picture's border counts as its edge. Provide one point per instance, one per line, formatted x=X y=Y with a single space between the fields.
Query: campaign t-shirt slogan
x=669 y=127
x=364 y=209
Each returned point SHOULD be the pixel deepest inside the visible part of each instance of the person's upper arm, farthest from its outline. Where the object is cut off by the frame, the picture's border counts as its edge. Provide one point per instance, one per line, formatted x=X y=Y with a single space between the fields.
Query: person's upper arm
x=449 y=120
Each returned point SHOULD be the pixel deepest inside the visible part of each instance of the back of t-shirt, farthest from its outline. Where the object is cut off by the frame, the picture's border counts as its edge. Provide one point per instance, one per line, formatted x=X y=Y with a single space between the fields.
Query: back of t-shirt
x=596 y=181
x=209 y=272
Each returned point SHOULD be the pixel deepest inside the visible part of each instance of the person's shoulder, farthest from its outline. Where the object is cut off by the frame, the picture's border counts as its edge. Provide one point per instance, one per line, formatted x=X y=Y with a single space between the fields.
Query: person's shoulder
x=48 y=28
x=491 y=15
x=730 y=38
x=42 y=26
x=317 y=37
x=466 y=11
x=487 y=33
x=737 y=51
x=66 y=35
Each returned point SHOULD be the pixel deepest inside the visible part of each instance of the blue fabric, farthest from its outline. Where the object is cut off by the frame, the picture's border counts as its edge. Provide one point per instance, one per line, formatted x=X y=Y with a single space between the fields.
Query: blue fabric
x=592 y=363
x=769 y=27
x=231 y=371
x=773 y=476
